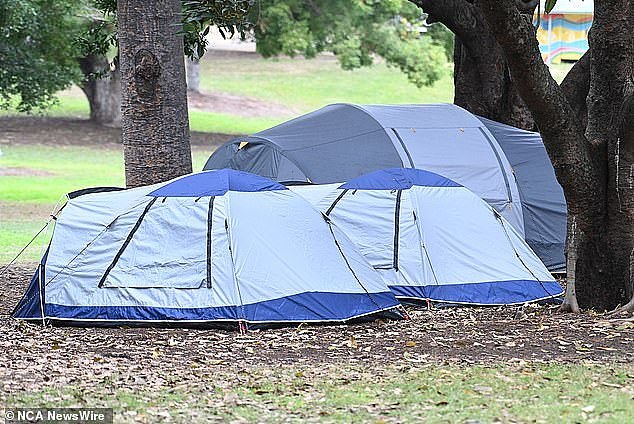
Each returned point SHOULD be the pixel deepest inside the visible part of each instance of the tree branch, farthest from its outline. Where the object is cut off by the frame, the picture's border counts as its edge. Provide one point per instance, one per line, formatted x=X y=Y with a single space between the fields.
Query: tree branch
x=611 y=67
x=459 y=16
x=563 y=136
x=576 y=86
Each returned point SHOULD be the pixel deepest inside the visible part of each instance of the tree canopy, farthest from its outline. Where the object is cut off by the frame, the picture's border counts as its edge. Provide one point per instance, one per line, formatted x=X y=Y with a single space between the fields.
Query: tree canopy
x=43 y=43
x=355 y=31
x=37 y=51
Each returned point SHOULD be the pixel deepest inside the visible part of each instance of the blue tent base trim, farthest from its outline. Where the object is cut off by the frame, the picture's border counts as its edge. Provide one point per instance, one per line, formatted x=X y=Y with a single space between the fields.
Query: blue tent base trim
x=313 y=307
x=228 y=325
x=483 y=294
x=30 y=304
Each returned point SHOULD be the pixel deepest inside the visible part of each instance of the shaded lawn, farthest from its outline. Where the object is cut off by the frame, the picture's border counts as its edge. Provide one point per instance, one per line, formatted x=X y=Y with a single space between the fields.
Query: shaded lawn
x=443 y=365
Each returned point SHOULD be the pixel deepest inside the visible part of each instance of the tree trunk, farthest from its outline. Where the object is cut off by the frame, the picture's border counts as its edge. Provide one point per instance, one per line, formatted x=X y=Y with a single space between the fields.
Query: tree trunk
x=193 y=75
x=482 y=81
x=155 y=124
x=595 y=164
x=103 y=90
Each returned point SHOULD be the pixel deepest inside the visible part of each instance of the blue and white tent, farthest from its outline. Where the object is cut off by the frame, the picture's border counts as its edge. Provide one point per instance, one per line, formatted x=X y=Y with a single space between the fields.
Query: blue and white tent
x=213 y=248
x=506 y=166
x=433 y=239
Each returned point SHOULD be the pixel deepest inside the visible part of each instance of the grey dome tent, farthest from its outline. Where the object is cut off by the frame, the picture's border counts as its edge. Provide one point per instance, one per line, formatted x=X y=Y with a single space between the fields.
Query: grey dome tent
x=505 y=166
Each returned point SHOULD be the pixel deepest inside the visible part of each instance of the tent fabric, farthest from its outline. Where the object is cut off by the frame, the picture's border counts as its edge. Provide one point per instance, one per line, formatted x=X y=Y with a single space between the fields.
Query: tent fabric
x=437 y=242
x=543 y=201
x=343 y=141
x=243 y=256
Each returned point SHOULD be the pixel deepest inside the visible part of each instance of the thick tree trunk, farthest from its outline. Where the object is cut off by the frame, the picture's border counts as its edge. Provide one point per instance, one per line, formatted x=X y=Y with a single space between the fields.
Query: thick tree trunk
x=103 y=90
x=155 y=124
x=611 y=128
x=483 y=85
x=595 y=164
x=482 y=80
x=193 y=75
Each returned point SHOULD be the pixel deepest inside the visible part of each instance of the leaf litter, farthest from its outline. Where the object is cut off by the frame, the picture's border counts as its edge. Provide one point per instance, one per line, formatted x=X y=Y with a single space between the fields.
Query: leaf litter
x=33 y=357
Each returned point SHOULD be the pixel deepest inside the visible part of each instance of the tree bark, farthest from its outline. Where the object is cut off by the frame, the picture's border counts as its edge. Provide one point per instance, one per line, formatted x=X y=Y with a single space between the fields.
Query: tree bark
x=103 y=91
x=155 y=124
x=576 y=86
x=483 y=85
x=611 y=128
x=482 y=81
x=193 y=75
x=595 y=164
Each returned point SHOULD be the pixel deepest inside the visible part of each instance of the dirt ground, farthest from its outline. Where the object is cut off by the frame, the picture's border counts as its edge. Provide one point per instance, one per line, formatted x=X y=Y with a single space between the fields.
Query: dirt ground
x=237 y=105
x=78 y=132
x=33 y=356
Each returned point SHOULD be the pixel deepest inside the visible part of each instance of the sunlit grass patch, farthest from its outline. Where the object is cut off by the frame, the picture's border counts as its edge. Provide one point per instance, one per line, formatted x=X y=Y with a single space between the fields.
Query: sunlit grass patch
x=519 y=392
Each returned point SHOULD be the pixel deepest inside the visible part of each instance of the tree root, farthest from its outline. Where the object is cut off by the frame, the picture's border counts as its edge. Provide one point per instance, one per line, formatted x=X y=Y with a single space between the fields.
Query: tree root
x=627 y=308
x=569 y=306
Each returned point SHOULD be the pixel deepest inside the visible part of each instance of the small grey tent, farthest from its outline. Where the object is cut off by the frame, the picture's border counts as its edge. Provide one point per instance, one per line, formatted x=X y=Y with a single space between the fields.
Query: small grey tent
x=505 y=166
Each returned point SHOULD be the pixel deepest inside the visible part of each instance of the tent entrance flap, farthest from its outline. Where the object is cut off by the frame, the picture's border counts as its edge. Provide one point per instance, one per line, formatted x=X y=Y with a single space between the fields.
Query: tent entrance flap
x=126 y=242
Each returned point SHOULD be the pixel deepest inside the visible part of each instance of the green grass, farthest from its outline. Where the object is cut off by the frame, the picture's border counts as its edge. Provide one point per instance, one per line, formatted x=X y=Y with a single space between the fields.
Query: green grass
x=26 y=201
x=74 y=105
x=228 y=124
x=70 y=168
x=299 y=85
x=545 y=393
x=310 y=84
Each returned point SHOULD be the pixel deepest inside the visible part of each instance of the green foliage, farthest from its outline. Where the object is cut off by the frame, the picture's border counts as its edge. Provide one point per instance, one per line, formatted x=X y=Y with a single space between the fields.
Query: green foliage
x=550 y=4
x=442 y=36
x=37 y=53
x=98 y=34
x=355 y=31
x=229 y=16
